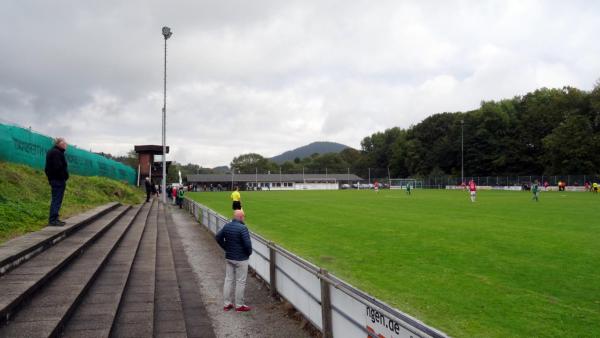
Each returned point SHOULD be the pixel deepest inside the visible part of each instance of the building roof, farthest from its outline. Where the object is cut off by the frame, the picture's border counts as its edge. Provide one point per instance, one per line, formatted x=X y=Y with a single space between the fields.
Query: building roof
x=210 y=178
x=152 y=149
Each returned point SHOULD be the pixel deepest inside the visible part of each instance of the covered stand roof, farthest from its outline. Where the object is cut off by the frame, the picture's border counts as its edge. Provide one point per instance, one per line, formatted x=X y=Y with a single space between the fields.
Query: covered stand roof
x=270 y=177
x=150 y=149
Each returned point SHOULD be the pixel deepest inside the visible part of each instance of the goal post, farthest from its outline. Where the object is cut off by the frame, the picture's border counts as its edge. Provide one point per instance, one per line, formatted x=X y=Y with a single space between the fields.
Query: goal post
x=401 y=183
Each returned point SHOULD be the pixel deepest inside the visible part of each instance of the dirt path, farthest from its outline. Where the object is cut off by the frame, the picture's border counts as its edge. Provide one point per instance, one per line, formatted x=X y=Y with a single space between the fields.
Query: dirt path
x=267 y=318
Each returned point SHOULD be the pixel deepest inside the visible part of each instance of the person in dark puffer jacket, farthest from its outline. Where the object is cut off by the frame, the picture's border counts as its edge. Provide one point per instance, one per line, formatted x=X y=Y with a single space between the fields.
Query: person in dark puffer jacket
x=57 y=174
x=234 y=238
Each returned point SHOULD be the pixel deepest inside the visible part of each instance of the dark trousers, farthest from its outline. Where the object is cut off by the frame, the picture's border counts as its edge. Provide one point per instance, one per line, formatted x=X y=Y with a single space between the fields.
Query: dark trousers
x=58 y=191
x=147 y=196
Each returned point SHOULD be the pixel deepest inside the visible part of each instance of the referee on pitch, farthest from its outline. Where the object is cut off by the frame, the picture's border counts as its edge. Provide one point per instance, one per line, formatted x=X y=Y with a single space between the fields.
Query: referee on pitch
x=237 y=199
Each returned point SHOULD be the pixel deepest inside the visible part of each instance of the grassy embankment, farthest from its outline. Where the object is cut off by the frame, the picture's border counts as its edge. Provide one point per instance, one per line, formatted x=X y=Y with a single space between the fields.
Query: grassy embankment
x=25 y=197
x=504 y=266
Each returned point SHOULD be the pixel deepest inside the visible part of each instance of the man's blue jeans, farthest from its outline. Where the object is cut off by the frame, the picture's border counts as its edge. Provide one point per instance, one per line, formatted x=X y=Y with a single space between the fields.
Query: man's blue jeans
x=58 y=191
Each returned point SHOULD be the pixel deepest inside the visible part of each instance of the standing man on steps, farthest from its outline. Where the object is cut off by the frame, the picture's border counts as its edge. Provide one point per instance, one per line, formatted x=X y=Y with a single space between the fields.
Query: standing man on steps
x=57 y=174
x=234 y=238
x=149 y=187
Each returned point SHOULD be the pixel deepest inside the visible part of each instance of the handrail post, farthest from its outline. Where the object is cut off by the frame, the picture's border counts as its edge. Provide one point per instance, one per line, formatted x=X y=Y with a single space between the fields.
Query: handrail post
x=325 y=306
x=272 y=270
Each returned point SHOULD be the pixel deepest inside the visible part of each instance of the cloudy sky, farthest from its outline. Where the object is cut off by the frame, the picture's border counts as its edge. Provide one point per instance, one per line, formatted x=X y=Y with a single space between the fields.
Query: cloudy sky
x=269 y=76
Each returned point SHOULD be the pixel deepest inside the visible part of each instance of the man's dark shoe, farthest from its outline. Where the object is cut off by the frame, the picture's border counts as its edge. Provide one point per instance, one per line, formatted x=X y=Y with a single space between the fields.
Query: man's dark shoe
x=56 y=224
x=62 y=222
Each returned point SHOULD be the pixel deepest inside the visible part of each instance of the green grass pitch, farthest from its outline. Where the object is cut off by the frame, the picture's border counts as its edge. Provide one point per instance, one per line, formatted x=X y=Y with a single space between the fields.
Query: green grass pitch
x=504 y=266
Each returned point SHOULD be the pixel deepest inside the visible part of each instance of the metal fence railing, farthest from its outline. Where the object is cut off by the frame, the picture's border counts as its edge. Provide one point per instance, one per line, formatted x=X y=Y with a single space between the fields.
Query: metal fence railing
x=570 y=180
x=333 y=306
x=345 y=178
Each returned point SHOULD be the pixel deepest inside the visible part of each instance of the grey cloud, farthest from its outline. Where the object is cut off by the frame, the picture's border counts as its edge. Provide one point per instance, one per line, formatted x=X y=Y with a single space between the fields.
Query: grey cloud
x=277 y=74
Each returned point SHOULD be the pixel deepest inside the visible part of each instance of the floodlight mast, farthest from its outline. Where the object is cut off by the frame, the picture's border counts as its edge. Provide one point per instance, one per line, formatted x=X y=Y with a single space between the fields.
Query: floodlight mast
x=462 y=152
x=166 y=31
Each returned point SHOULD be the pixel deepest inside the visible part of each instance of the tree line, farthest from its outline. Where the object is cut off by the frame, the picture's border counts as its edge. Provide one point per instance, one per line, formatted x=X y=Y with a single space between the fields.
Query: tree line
x=548 y=131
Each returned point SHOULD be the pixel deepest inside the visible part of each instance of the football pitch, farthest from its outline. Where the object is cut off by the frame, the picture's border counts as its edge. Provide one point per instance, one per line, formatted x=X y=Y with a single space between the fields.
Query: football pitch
x=504 y=266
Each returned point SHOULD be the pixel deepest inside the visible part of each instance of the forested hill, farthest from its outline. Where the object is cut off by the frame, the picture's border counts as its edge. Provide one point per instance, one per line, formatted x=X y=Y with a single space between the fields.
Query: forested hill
x=309 y=149
x=548 y=131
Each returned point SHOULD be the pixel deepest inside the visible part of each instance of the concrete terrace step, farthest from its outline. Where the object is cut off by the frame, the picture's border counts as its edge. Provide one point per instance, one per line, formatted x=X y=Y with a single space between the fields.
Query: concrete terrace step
x=47 y=310
x=18 y=284
x=20 y=249
x=97 y=312
x=168 y=311
x=197 y=320
x=135 y=317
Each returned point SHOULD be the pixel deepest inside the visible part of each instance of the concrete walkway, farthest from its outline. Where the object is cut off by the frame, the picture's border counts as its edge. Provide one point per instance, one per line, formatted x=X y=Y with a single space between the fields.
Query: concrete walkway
x=268 y=317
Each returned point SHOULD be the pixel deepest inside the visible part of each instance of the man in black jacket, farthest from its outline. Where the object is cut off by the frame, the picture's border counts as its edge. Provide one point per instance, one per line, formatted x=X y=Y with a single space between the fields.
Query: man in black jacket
x=57 y=173
x=148 y=184
x=234 y=238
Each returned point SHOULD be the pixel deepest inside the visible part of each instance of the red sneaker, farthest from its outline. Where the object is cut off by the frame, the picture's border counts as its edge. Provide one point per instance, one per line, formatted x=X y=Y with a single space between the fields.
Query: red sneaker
x=243 y=308
x=227 y=307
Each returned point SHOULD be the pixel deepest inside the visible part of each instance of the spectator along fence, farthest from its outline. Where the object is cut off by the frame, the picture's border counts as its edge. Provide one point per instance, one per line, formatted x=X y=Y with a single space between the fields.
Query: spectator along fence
x=333 y=306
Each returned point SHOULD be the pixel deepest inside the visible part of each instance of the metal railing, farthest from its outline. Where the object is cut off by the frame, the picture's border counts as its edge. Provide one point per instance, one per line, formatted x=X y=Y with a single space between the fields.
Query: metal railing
x=442 y=181
x=333 y=306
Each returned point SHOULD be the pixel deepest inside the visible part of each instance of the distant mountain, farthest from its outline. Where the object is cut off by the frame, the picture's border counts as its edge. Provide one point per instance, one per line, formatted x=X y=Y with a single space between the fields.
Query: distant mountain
x=307 y=150
x=221 y=169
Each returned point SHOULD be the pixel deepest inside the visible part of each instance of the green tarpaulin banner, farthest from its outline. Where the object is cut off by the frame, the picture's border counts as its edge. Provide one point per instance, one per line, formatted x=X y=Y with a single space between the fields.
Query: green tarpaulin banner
x=24 y=146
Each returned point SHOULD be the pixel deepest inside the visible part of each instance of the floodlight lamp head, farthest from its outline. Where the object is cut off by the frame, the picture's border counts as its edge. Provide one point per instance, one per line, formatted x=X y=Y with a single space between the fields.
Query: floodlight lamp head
x=166 y=31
